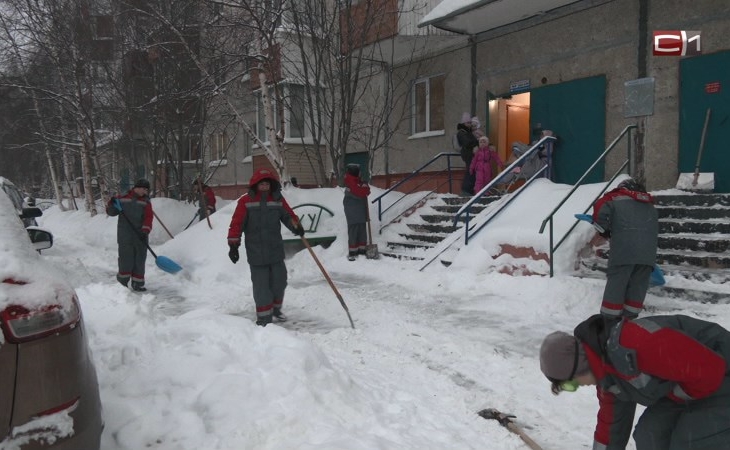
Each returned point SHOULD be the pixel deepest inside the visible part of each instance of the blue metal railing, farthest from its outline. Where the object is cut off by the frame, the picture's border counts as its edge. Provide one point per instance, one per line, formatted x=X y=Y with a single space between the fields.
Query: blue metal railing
x=549 y=219
x=548 y=142
x=450 y=178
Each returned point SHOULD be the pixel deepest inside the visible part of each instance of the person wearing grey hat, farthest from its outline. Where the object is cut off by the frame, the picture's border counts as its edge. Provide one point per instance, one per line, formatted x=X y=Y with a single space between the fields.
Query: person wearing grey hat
x=676 y=366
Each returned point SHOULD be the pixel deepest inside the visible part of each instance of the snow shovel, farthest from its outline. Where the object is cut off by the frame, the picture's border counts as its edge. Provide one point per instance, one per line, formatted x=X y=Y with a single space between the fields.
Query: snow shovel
x=371 y=250
x=329 y=280
x=163 y=262
x=506 y=421
x=657 y=276
x=698 y=181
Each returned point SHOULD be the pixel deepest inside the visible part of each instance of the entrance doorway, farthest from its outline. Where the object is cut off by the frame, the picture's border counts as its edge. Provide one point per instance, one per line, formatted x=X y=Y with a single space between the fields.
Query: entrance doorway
x=509 y=121
x=575 y=111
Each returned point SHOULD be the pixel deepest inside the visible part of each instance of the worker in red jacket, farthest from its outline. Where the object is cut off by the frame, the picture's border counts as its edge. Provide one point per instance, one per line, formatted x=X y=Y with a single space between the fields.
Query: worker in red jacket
x=133 y=229
x=355 y=204
x=259 y=215
x=675 y=365
x=206 y=201
x=628 y=217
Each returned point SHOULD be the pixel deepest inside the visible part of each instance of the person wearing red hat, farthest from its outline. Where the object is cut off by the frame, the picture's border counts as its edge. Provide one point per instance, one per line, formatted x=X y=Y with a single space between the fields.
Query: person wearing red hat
x=675 y=366
x=259 y=215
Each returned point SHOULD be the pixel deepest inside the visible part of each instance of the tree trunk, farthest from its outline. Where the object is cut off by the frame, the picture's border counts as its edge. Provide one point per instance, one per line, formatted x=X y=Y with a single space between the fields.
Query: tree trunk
x=274 y=150
x=86 y=173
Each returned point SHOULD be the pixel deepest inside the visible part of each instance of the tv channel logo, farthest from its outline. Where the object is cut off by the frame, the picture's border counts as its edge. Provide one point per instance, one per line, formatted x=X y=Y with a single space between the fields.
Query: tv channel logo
x=676 y=43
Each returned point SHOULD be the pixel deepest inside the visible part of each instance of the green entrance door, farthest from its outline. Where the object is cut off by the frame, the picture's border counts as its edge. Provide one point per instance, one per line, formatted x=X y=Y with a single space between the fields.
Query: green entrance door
x=362 y=160
x=576 y=112
x=705 y=83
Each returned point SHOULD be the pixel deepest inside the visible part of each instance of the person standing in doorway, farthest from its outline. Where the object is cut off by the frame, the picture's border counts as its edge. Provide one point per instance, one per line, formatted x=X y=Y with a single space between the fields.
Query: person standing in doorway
x=355 y=203
x=259 y=215
x=468 y=142
x=133 y=228
x=485 y=165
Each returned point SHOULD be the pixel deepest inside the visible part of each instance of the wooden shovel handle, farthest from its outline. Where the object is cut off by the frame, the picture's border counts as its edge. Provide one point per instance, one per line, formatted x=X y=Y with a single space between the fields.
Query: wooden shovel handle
x=525 y=438
x=329 y=280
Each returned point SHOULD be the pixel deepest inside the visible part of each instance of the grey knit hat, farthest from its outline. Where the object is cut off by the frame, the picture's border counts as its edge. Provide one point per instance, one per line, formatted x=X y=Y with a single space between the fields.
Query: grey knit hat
x=562 y=357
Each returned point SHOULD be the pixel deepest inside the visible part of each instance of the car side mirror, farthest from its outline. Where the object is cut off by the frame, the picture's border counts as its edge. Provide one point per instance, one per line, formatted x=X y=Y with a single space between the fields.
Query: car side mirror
x=40 y=238
x=29 y=213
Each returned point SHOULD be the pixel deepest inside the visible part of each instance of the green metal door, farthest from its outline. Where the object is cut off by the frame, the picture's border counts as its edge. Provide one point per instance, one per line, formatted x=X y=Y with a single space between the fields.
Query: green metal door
x=362 y=160
x=576 y=113
x=705 y=83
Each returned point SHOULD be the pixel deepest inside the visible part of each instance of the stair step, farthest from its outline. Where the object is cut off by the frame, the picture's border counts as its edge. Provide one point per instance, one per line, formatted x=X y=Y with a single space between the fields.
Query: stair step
x=431 y=238
x=396 y=255
x=691 y=226
x=697 y=213
x=410 y=245
x=432 y=228
x=700 y=242
x=442 y=218
x=692 y=200
x=698 y=259
x=461 y=200
x=453 y=209
x=700 y=295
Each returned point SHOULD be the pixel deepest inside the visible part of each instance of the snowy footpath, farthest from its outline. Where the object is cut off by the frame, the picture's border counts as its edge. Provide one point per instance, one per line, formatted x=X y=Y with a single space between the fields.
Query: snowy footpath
x=183 y=366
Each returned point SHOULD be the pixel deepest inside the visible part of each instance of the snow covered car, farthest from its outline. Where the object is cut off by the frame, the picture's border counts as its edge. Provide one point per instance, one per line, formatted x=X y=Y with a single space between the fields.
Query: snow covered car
x=49 y=394
x=27 y=214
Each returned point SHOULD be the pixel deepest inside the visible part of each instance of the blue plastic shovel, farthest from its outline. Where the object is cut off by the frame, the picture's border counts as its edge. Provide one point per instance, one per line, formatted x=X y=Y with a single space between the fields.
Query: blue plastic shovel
x=657 y=276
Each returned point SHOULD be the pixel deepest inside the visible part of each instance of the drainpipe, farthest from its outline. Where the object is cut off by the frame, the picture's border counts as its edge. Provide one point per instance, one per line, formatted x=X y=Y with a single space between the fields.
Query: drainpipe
x=473 y=44
x=389 y=103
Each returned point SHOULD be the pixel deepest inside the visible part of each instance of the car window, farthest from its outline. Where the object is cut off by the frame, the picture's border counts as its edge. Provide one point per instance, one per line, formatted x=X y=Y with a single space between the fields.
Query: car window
x=14 y=195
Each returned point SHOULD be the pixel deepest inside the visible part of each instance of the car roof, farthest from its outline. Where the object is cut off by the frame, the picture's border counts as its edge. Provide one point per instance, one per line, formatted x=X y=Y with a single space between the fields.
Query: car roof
x=26 y=279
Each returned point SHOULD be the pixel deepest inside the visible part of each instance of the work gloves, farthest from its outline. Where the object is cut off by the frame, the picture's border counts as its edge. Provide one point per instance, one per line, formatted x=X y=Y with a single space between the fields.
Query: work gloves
x=299 y=230
x=117 y=204
x=233 y=253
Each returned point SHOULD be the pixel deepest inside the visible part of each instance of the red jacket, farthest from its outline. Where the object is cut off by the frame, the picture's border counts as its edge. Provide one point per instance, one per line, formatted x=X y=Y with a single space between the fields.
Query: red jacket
x=655 y=358
x=209 y=197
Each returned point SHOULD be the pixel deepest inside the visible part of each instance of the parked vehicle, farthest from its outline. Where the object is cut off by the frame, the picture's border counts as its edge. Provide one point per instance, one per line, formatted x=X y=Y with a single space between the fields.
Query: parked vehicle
x=27 y=213
x=49 y=394
x=41 y=239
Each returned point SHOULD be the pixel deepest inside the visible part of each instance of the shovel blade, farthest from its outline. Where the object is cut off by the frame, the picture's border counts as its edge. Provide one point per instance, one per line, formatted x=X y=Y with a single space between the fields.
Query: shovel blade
x=657 y=277
x=371 y=251
x=167 y=265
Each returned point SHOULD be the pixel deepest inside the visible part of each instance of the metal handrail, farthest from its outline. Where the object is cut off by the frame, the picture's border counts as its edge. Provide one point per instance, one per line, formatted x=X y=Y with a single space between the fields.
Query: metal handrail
x=449 y=167
x=601 y=158
x=466 y=208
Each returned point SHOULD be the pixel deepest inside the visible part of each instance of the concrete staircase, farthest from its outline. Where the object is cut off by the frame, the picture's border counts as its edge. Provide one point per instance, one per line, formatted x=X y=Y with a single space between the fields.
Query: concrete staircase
x=429 y=225
x=693 y=247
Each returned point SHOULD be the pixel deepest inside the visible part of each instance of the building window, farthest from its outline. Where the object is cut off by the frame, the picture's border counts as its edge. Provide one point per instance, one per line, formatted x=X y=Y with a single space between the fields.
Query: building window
x=297 y=111
x=428 y=104
x=193 y=148
x=294 y=113
x=218 y=143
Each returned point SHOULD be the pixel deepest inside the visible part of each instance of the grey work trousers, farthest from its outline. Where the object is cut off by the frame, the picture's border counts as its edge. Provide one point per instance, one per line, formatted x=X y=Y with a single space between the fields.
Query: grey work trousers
x=269 y=283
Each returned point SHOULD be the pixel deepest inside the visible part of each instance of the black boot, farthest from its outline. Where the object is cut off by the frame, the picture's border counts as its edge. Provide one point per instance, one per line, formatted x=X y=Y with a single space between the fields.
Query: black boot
x=139 y=287
x=123 y=281
x=278 y=315
x=263 y=321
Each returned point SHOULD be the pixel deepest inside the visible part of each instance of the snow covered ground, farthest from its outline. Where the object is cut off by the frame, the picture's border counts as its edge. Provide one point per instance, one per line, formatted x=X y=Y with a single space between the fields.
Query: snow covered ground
x=184 y=367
